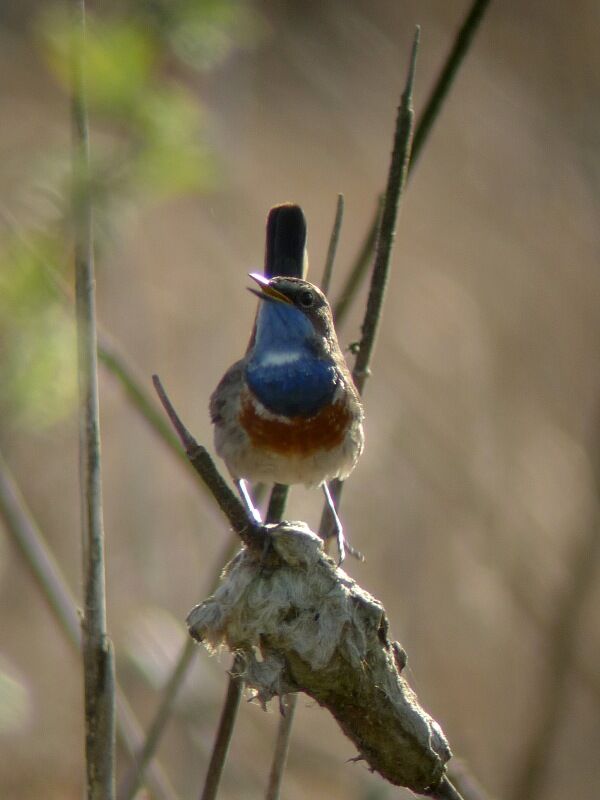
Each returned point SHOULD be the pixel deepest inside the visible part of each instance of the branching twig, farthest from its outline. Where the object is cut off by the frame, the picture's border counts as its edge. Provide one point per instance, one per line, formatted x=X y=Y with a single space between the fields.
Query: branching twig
x=395 y=185
x=425 y=123
x=424 y=126
x=98 y=660
x=359 y=269
x=340 y=656
x=435 y=101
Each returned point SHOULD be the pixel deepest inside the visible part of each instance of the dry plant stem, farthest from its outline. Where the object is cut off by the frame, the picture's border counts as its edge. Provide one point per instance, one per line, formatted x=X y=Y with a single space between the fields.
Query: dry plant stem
x=560 y=660
x=425 y=123
x=28 y=539
x=134 y=778
x=562 y=650
x=444 y=791
x=264 y=610
x=200 y=459
x=396 y=182
x=224 y=732
x=137 y=394
x=235 y=688
x=144 y=753
x=333 y=243
x=277 y=501
x=284 y=729
x=359 y=269
x=98 y=660
x=460 y=48
x=282 y=746
x=395 y=186
x=468 y=786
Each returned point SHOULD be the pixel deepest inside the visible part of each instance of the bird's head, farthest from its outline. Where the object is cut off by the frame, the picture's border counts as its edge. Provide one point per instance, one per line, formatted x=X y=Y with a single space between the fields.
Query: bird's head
x=293 y=312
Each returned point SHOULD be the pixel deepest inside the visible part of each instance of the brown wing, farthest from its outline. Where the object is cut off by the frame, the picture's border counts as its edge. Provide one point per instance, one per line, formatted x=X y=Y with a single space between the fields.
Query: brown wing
x=229 y=385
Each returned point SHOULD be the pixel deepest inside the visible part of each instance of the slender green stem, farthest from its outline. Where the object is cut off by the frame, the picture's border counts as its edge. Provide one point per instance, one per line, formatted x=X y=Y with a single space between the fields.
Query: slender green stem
x=333 y=243
x=98 y=659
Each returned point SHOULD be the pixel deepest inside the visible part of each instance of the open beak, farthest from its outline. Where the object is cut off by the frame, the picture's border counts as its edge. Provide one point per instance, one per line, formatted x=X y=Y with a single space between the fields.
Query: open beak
x=267 y=292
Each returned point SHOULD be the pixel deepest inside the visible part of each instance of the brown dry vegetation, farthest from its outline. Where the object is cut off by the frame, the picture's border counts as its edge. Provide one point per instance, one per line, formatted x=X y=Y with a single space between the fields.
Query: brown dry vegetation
x=476 y=487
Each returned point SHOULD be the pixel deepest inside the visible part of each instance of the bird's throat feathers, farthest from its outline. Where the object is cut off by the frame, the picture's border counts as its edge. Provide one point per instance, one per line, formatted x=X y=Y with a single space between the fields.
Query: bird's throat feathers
x=284 y=370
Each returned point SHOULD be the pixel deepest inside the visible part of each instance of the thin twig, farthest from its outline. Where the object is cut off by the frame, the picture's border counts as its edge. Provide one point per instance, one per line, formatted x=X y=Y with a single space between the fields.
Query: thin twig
x=275 y=511
x=140 y=398
x=282 y=746
x=465 y=782
x=395 y=185
x=445 y=790
x=333 y=243
x=435 y=101
x=225 y=731
x=559 y=661
x=144 y=754
x=562 y=648
x=205 y=467
x=46 y=573
x=277 y=501
x=98 y=658
x=460 y=47
x=341 y=306
x=133 y=780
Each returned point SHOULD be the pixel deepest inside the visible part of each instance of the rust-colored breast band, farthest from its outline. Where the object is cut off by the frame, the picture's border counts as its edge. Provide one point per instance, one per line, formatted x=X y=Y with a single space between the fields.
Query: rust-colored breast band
x=300 y=436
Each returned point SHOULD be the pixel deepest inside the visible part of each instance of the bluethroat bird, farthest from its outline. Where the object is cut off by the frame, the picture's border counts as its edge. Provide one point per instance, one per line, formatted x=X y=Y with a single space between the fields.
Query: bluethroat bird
x=288 y=411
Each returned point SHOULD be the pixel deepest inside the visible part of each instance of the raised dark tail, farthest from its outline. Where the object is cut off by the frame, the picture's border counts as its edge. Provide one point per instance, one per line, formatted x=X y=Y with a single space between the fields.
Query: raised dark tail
x=285 y=252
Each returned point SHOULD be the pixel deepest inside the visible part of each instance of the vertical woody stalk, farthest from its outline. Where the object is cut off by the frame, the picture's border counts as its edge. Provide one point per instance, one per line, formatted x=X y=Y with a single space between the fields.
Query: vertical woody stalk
x=396 y=182
x=98 y=663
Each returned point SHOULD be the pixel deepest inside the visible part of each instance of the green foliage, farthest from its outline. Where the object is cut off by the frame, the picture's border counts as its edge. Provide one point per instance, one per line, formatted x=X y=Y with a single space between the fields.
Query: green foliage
x=147 y=144
x=38 y=348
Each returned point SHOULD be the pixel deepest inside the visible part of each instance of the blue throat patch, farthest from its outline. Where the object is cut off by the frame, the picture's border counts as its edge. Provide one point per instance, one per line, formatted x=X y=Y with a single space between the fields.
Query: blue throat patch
x=282 y=370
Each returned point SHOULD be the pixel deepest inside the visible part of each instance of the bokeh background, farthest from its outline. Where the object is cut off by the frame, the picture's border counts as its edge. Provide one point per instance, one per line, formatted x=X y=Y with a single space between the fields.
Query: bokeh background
x=476 y=500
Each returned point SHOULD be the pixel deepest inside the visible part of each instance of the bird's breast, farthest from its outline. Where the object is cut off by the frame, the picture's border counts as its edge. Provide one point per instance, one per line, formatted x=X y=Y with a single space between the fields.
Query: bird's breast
x=295 y=436
x=292 y=383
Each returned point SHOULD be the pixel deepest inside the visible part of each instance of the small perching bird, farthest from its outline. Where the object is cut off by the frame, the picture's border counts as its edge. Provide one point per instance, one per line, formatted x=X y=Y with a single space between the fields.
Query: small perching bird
x=288 y=411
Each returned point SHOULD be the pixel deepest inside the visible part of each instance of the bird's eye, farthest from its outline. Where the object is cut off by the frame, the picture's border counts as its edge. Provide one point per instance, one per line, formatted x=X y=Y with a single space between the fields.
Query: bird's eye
x=306 y=298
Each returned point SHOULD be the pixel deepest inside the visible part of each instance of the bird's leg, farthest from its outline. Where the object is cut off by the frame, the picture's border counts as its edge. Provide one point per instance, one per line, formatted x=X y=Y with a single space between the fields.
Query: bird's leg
x=339 y=530
x=247 y=500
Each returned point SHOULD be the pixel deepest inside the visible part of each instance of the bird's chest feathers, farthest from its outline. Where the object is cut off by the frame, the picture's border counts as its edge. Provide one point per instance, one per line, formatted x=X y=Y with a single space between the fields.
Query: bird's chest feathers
x=291 y=381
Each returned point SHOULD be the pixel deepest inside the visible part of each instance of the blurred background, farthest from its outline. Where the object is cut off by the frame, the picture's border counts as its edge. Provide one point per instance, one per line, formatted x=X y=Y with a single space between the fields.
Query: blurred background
x=476 y=500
